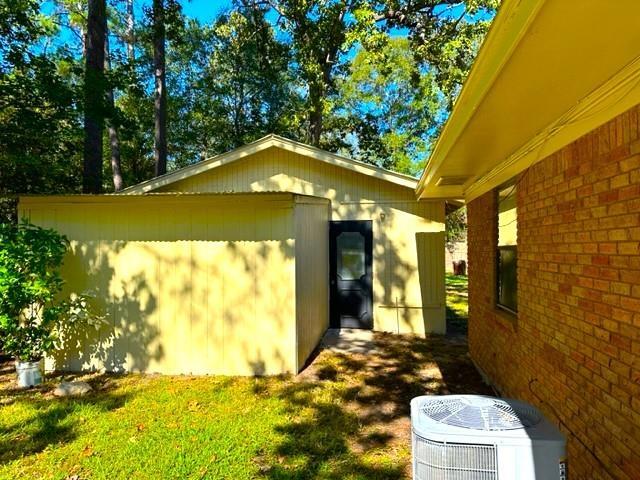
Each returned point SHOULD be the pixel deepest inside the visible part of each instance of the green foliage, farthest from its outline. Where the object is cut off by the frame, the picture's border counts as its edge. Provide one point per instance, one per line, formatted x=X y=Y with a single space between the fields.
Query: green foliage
x=320 y=34
x=371 y=78
x=445 y=34
x=40 y=136
x=440 y=41
x=19 y=24
x=8 y=210
x=39 y=124
x=233 y=86
x=456 y=227
x=31 y=316
x=392 y=104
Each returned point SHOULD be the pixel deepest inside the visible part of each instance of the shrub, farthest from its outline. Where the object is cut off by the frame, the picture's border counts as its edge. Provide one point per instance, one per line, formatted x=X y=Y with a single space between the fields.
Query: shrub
x=31 y=311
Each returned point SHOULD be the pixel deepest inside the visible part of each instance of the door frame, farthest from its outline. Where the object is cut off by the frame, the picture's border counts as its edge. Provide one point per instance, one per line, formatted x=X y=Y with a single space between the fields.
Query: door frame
x=366 y=228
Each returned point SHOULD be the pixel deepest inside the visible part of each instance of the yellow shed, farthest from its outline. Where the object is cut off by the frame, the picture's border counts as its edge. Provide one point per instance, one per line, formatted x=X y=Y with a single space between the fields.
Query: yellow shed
x=237 y=265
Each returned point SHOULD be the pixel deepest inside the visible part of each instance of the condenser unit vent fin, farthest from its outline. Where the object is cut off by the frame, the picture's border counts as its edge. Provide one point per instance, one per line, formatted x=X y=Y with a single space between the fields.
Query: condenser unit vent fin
x=438 y=460
x=487 y=414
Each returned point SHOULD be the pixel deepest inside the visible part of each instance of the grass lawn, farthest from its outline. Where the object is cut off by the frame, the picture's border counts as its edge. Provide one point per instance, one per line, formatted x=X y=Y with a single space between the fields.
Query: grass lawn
x=457 y=304
x=345 y=417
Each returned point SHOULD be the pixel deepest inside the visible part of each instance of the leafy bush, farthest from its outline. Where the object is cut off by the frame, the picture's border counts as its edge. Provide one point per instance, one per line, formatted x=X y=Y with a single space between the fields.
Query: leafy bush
x=456 y=227
x=31 y=312
x=8 y=210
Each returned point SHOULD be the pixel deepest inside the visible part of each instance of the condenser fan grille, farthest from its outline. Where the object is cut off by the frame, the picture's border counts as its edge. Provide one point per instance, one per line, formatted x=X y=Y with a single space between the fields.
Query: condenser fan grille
x=481 y=413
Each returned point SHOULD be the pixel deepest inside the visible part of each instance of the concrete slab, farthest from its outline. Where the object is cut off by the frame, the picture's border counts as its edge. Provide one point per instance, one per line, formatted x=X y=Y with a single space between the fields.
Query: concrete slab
x=349 y=340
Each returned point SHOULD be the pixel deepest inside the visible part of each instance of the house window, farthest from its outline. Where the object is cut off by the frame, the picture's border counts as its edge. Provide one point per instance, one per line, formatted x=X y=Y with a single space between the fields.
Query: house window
x=507 y=254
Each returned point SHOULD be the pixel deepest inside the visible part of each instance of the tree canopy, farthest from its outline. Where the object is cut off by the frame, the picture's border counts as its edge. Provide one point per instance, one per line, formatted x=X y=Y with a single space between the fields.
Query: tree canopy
x=373 y=79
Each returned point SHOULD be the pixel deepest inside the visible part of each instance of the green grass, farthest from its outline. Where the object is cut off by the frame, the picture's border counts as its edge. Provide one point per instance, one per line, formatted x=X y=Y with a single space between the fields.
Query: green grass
x=154 y=427
x=457 y=303
x=143 y=427
x=345 y=417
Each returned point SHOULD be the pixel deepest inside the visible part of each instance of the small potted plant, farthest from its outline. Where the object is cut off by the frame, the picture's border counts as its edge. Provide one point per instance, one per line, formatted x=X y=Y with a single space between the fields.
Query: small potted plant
x=31 y=311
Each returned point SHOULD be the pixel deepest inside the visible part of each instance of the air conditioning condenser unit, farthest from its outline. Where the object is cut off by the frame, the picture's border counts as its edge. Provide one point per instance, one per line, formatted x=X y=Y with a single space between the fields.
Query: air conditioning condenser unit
x=475 y=437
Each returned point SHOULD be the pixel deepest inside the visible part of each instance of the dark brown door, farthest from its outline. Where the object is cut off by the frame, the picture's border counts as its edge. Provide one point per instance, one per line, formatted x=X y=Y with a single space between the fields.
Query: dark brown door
x=350 y=272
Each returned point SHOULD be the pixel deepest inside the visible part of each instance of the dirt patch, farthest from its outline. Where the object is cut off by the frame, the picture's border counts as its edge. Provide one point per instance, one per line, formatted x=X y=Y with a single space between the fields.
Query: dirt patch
x=381 y=384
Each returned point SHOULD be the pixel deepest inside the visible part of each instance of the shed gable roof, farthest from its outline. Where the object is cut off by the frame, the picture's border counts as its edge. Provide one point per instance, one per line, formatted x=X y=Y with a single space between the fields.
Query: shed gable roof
x=264 y=143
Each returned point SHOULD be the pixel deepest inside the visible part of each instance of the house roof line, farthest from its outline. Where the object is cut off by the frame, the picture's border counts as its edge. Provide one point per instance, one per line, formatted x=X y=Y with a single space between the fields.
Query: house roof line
x=261 y=145
x=507 y=30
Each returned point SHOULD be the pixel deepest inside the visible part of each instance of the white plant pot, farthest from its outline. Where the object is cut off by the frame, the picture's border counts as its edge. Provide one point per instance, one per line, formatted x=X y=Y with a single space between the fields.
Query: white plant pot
x=29 y=373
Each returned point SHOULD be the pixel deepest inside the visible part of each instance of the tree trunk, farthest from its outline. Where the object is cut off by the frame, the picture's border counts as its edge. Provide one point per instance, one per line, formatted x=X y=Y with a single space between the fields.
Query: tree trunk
x=316 y=114
x=317 y=94
x=160 y=103
x=315 y=126
x=112 y=128
x=131 y=38
x=94 y=97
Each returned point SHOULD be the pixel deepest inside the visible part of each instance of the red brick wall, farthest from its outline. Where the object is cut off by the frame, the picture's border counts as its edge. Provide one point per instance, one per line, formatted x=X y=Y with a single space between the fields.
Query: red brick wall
x=574 y=348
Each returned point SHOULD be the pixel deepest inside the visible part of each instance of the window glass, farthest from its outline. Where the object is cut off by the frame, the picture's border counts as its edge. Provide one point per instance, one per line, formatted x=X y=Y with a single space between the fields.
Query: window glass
x=508 y=277
x=507 y=254
x=351 y=258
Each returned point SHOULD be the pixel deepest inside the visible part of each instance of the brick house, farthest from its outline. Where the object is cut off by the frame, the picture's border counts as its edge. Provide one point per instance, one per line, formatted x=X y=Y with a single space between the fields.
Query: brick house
x=544 y=146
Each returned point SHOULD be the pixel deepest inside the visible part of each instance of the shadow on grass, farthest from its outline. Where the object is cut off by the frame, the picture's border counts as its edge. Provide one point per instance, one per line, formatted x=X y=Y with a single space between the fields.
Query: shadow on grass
x=51 y=420
x=456 y=323
x=457 y=305
x=350 y=412
x=318 y=446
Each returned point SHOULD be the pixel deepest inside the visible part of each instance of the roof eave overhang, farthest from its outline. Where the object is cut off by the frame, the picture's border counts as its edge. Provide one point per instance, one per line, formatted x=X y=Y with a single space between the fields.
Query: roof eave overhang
x=510 y=24
x=514 y=73
x=613 y=98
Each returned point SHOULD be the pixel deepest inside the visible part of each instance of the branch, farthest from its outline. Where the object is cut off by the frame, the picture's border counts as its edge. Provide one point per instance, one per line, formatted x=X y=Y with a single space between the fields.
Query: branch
x=266 y=3
x=69 y=27
x=424 y=7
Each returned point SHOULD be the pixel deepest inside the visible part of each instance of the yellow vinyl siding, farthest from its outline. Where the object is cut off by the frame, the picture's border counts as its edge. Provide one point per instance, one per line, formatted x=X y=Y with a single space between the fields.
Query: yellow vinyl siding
x=312 y=274
x=226 y=271
x=399 y=284
x=397 y=218
x=431 y=257
x=191 y=284
x=278 y=170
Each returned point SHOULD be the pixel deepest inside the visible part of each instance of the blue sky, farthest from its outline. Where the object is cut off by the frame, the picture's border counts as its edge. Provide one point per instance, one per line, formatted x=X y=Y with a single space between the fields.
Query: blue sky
x=204 y=10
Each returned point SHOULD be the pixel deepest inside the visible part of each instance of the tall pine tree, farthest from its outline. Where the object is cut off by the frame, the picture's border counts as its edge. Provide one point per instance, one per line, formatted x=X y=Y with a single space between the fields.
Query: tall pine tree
x=94 y=94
